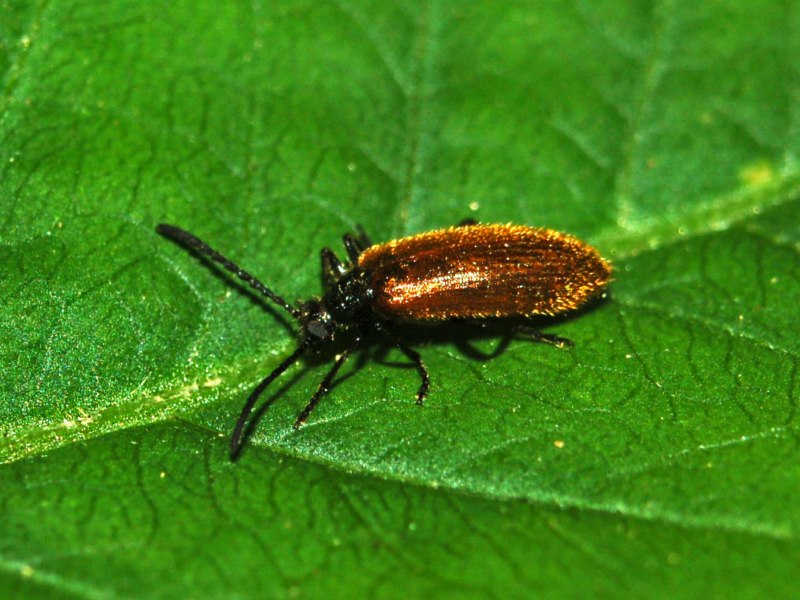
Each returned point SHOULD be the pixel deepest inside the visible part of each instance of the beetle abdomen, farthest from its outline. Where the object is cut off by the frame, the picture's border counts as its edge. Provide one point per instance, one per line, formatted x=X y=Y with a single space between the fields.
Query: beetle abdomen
x=479 y=271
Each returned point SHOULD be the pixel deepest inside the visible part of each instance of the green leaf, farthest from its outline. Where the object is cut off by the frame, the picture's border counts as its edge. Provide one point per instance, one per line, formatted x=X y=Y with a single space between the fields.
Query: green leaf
x=659 y=457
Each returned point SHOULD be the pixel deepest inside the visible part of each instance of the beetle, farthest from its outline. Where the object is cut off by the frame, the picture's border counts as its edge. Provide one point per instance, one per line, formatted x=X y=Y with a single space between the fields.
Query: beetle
x=473 y=273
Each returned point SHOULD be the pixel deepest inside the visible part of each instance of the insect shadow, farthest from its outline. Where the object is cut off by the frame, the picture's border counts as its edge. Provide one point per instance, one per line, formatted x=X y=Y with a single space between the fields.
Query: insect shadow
x=463 y=335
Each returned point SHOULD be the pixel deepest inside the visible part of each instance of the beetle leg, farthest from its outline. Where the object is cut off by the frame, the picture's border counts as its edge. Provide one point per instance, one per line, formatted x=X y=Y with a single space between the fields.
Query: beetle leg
x=332 y=267
x=356 y=244
x=547 y=338
x=413 y=355
x=526 y=330
x=352 y=246
x=325 y=385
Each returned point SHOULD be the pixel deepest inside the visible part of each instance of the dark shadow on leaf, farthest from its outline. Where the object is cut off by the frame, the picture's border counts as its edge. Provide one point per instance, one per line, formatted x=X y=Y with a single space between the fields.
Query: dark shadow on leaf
x=377 y=348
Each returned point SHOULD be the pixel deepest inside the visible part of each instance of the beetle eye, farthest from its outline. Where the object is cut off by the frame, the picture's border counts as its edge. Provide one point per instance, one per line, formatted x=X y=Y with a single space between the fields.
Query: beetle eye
x=317 y=328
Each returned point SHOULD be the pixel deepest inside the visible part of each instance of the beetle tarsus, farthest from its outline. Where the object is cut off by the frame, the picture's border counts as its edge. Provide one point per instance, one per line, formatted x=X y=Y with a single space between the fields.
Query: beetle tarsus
x=414 y=356
x=547 y=338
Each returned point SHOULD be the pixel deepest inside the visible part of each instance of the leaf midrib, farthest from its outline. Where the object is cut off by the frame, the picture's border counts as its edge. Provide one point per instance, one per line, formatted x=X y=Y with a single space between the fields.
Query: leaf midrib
x=702 y=219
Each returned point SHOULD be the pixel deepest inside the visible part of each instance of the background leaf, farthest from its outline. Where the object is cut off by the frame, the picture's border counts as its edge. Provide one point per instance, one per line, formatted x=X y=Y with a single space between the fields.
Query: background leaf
x=658 y=457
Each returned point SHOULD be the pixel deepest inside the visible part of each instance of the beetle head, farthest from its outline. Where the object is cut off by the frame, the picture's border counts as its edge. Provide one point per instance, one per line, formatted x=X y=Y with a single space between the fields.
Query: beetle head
x=316 y=323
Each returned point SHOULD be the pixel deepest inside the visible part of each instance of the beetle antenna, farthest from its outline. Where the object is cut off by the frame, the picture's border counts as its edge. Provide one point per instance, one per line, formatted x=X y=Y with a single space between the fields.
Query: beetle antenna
x=187 y=239
x=236 y=438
